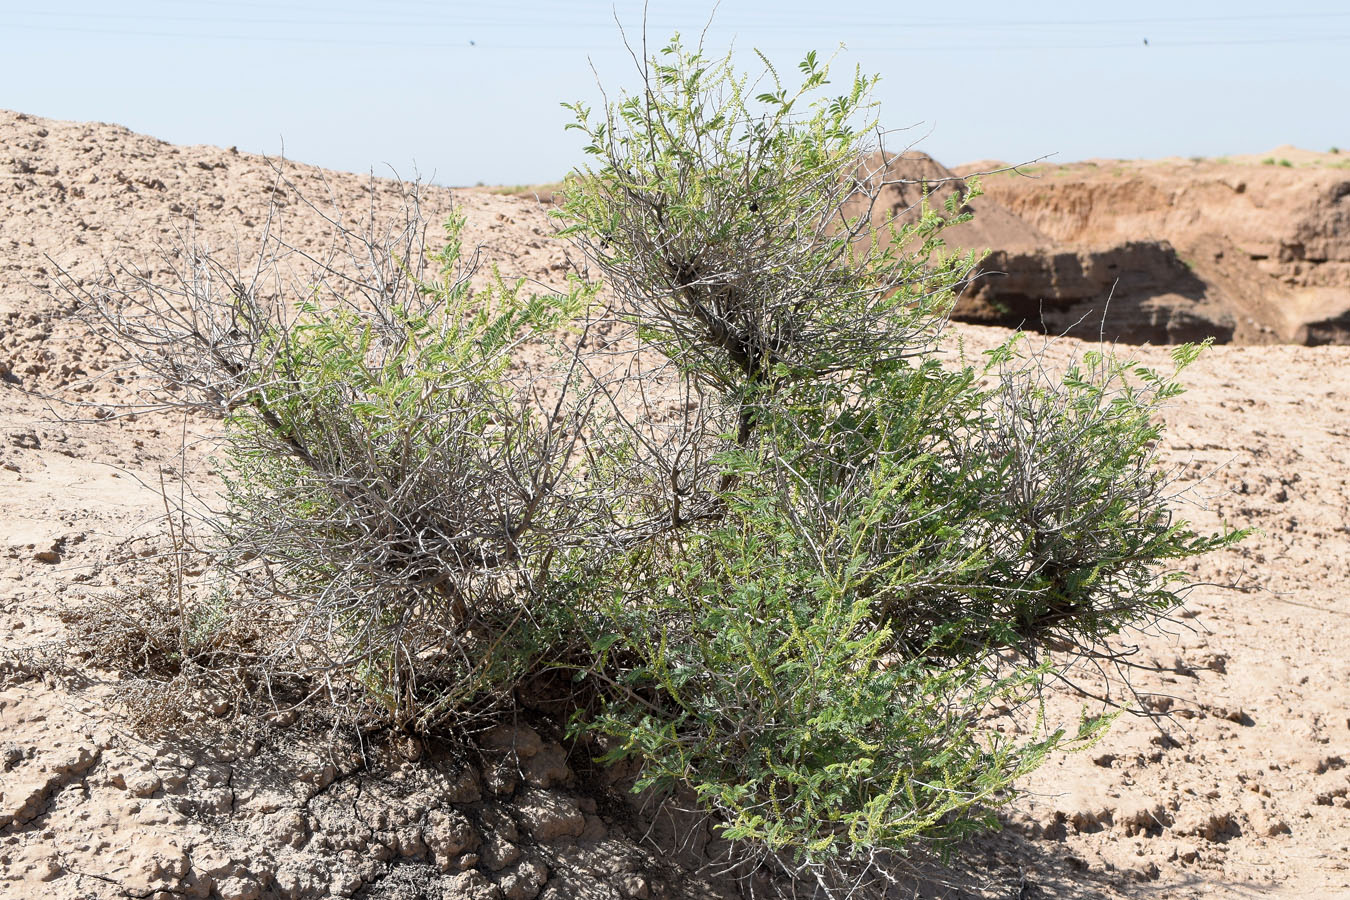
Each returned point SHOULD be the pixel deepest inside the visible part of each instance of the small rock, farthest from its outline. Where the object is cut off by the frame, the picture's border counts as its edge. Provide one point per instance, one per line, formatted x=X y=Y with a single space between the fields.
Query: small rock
x=524 y=880
x=48 y=869
x=498 y=853
x=471 y=885
x=242 y=888
x=1143 y=817
x=547 y=817
x=1327 y=790
x=448 y=835
x=291 y=828
x=1213 y=826
x=22 y=798
x=1326 y=764
x=595 y=830
x=635 y=886
x=548 y=767
x=522 y=740
x=10 y=757
x=1146 y=872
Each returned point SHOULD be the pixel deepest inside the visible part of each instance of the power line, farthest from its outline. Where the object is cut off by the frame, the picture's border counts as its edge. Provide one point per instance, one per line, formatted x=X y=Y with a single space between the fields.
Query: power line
x=570 y=20
x=917 y=47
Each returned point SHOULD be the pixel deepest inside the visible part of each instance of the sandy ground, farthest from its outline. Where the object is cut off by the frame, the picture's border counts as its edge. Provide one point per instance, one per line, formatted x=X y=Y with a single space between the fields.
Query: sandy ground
x=1246 y=794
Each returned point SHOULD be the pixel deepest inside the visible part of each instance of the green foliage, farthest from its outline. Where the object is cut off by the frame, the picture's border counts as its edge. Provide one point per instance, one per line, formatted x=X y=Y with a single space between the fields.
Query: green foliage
x=894 y=544
x=719 y=207
x=824 y=662
x=776 y=697
x=392 y=468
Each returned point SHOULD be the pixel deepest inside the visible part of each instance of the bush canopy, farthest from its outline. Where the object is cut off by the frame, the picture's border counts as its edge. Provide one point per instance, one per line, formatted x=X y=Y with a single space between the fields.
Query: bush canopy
x=797 y=556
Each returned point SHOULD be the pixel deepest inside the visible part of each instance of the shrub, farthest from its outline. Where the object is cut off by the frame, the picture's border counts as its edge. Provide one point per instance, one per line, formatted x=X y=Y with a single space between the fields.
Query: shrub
x=802 y=560
x=865 y=550
x=386 y=469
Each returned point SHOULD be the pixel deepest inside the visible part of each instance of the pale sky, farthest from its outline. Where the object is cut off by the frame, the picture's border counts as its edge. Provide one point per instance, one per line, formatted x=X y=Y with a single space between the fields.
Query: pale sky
x=466 y=92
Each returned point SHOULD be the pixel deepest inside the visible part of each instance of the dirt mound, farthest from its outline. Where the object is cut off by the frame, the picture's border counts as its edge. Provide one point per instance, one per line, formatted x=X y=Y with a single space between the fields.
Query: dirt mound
x=1136 y=291
x=1266 y=238
x=1248 y=250
x=907 y=178
x=1249 y=794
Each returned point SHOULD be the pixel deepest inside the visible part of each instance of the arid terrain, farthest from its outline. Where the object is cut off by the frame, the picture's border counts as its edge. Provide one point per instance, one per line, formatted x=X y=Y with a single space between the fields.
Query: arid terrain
x=1244 y=249
x=1244 y=792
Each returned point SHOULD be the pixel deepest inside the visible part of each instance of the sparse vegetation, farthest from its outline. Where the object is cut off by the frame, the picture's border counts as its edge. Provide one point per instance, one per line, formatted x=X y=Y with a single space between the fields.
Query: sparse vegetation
x=544 y=193
x=800 y=565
